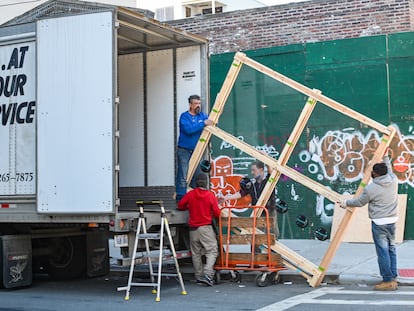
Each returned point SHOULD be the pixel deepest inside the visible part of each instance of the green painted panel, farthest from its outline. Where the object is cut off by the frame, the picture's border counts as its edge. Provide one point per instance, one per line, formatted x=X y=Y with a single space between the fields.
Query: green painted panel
x=345 y=51
x=401 y=44
x=402 y=88
x=355 y=87
x=333 y=149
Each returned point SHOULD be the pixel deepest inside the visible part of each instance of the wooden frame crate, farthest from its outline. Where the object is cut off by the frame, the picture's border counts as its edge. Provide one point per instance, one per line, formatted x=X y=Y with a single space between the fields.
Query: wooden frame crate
x=312 y=272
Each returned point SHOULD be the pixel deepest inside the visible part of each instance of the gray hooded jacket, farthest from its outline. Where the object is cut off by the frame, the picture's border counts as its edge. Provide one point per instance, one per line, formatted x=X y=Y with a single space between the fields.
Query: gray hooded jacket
x=381 y=195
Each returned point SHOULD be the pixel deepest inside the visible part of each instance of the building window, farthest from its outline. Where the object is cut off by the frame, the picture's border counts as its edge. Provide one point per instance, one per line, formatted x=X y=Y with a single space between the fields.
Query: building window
x=218 y=9
x=164 y=14
x=187 y=11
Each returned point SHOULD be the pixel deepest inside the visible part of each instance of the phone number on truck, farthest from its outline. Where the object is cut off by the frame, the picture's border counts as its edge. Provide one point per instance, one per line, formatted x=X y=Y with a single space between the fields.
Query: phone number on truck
x=19 y=177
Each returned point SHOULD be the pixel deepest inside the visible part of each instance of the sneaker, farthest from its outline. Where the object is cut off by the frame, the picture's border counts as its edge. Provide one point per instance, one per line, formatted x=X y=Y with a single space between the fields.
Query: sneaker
x=386 y=286
x=207 y=280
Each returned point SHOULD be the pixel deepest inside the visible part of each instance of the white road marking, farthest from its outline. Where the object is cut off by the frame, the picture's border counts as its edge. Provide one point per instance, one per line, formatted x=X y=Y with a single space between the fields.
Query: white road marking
x=296 y=300
x=309 y=298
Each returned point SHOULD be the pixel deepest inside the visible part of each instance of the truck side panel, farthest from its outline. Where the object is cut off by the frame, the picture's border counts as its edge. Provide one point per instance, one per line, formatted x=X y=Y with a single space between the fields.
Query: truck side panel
x=75 y=92
x=160 y=112
x=131 y=115
x=17 y=119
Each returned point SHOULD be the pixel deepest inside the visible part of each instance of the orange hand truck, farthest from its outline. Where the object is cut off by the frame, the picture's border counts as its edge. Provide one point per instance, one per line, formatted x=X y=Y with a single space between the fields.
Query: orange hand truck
x=245 y=245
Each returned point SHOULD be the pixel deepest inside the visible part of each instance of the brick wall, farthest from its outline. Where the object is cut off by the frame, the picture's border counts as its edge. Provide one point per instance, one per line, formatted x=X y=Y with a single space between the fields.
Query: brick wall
x=316 y=20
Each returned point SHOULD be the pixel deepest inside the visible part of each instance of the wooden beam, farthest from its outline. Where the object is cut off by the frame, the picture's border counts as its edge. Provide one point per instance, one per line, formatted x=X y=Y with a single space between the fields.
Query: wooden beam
x=259 y=239
x=293 y=174
x=287 y=150
x=300 y=263
x=214 y=116
x=244 y=222
x=246 y=258
x=337 y=239
x=305 y=90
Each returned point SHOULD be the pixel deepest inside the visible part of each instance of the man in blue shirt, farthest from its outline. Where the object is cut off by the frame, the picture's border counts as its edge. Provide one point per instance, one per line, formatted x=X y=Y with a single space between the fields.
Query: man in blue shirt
x=192 y=123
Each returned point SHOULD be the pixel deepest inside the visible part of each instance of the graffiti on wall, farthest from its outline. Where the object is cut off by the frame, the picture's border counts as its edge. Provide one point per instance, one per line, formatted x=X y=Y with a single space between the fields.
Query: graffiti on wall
x=224 y=181
x=338 y=156
x=344 y=155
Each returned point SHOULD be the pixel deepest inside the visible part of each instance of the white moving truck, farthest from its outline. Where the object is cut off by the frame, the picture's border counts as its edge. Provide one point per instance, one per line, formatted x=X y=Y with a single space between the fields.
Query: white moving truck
x=90 y=97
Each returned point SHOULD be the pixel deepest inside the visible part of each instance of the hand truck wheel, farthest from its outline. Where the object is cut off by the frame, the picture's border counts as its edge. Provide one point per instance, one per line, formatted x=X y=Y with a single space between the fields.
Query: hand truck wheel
x=263 y=279
x=274 y=277
x=217 y=277
x=235 y=276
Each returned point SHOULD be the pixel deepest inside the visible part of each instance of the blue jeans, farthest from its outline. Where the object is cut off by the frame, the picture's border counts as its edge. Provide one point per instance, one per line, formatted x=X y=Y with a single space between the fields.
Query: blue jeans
x=384 y=240
x=183 y=158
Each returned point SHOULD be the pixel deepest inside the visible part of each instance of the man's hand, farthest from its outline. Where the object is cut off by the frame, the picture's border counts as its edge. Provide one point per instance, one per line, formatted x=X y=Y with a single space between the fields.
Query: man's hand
x=221 y=199
x=342 y=203
x=208 y=122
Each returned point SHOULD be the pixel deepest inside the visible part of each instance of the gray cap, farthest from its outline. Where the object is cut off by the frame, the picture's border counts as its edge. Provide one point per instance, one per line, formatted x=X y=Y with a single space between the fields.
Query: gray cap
x=202 y=180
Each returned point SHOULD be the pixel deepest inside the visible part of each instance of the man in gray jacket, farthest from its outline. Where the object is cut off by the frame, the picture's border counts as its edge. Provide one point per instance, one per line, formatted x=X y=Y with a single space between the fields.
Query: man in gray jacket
x=381 y=197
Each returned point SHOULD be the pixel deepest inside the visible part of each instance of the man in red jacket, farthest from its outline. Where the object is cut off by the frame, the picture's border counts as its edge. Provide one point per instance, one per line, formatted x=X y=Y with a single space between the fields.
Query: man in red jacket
x=202 y=206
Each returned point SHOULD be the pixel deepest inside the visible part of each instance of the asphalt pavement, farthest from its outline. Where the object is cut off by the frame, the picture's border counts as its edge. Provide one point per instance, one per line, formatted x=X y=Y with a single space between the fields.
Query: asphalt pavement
x=354 y=267
x=353 y=263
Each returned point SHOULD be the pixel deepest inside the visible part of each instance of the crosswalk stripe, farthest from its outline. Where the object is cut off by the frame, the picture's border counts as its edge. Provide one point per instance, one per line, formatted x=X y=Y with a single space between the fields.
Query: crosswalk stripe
x=295 y=300
x=310 y=298
x=359 y=302
x=373 y=293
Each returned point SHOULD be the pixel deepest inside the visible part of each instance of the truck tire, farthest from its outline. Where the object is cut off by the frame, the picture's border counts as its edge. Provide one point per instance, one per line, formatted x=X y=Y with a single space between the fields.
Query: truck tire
x=68 y=259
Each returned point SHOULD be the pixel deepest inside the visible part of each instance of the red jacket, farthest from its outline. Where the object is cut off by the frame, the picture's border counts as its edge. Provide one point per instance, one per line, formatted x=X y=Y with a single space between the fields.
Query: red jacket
x=202 y=206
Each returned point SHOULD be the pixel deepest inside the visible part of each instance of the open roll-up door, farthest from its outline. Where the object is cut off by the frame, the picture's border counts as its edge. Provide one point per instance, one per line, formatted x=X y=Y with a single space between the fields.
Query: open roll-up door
x=75 y=114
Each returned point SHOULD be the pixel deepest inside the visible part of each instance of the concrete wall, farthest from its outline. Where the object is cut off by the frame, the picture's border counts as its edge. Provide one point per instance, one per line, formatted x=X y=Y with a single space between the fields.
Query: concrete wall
x=310 y=21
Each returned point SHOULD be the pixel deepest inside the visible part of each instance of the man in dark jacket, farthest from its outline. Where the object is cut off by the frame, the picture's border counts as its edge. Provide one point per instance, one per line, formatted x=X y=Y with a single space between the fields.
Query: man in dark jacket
x=255 y=188
x=381 y=196
x=202 y=206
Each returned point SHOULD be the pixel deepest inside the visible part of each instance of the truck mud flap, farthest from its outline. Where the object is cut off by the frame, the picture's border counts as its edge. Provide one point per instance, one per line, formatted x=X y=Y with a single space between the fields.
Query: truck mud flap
x=97 y=253
x=16 y=260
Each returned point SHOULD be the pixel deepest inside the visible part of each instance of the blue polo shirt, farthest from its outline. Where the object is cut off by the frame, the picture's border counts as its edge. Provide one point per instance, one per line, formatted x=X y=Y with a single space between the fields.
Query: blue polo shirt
x=190 y=129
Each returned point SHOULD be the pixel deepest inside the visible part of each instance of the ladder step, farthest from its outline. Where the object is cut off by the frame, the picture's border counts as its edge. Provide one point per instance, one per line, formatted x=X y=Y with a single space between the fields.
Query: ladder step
x=151 y=236
x=166 y=274
x=140 y=255
x=144 y=284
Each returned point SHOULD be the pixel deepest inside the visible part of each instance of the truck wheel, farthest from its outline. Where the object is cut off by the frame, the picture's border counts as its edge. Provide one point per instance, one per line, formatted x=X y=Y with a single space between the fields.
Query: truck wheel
x=68 y=258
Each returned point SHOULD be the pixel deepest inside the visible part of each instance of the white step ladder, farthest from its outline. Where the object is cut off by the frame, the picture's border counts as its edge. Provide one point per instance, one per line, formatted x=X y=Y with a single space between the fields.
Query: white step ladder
x=143 y=234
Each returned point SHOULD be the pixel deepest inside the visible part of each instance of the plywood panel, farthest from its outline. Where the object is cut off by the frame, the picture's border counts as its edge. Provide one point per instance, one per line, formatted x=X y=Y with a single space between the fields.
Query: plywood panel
x=359 y=229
